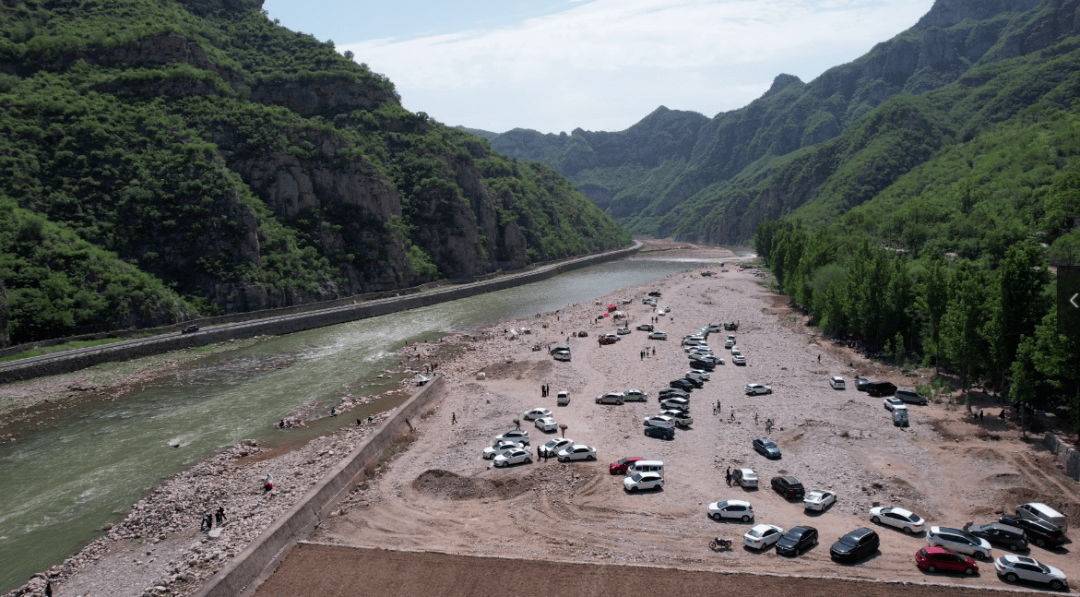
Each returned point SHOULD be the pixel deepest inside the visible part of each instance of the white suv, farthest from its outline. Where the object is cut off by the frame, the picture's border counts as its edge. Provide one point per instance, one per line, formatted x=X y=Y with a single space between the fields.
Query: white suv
x=959 y=542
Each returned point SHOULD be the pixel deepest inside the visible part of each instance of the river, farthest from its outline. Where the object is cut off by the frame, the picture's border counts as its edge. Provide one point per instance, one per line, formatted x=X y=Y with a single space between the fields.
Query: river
x=83 y=470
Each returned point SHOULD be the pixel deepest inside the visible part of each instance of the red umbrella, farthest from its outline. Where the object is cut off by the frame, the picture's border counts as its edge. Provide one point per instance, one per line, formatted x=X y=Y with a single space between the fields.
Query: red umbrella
x=607 y=314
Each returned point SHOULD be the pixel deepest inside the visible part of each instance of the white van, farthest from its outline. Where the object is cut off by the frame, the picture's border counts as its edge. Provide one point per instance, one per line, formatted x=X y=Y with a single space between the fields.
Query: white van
x=564 y=397
x=1040 y=511
x=646 y=466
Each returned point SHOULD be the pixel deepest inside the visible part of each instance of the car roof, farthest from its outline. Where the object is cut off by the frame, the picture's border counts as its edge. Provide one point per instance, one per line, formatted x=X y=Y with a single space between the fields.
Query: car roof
x=859 y=533
x=1020 y=559
x=936 y=550
x=735 y=503
x=900 y=511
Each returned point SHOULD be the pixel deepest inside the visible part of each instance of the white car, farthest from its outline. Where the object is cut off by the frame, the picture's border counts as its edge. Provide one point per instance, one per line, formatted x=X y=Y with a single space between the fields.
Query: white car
x=537 y=413
x=659 y=421
x=639 y=481
x=736 y=509
x=959 y=542
x=837 y=382
x=501 y=446
x=693 y=341
x=577 y=452
x=1013 y=568
x=518 y=435
x=905 y=520
x=730 y=341
x=756 y=388
x=658 y=336
x=892 y=403
x=679 y=404
x=547 y=424
x=818 y=500
x=516 y=456
x=762 y=536
x=702 y=374
x=738 y=359
x=554 y=446
x=745 y=477
x=735 y=349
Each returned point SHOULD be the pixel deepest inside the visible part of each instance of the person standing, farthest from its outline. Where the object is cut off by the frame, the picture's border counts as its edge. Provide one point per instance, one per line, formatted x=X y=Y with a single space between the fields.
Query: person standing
x=729 y=476
x=219 y=516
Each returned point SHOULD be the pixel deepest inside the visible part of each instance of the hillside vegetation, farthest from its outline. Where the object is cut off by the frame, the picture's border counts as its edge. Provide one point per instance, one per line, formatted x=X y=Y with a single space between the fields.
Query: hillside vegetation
x=165 y=159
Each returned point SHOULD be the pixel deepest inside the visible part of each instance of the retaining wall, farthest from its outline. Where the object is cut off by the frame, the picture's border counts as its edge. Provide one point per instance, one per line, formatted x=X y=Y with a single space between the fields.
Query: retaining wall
x=1064 y=454
x=74 y=360
x=268 y=548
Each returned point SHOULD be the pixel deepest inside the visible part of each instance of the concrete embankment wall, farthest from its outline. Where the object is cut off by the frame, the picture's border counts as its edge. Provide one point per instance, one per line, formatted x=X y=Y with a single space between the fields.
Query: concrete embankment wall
x=285 y=324
x=267 y=550
x=1064 y=454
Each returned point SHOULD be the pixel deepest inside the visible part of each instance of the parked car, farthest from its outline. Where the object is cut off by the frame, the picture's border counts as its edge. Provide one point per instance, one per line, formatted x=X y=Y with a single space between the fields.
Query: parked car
x=659 y=421
x=933 y=559
x=911 y=397
x=191 y=329
x=518 y=435
x=900 y=418
x=738 y=359
x=735 y=350
x=553 y=447
x=577 y=452
x=1012 y=568
x=658 y=336
x=547 y=424
x=797 y=540
x=645 y=327
x=515 y=456
x=606 y=339
x=635 y=395
x=658 y=432
x=761 y=536
x=855 y=545
x=756 y=388
x=1040 y=511
x=1038 y=532
x=501 y=446
x=744 y=477
x=730 y=342
x=700 y=373
x=673 y=393
x=681 y=419
x=654 y=293
x=837 y=382
x=537 y=413
x=905 y=520
x=682 y=384
x=892 y=403
x=819 y=500
x=880 y=388
x=789 y=487
x=959 y=542
x=619 y=466
x=564 y=398
x=693 y=341
x=736 y=509
x=622 y=331
x=694 y=382
x=679 y=404
x=1000 y=534
x=860 y=383
x=715 y=360
x=640 y=481
x=697 y=363
x=611 y=398
x=714 y=328
x=561 y=355
x=767 y=448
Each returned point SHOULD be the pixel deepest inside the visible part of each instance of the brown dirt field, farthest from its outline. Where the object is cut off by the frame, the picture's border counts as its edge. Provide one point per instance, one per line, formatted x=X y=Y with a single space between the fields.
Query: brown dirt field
x=332 y=571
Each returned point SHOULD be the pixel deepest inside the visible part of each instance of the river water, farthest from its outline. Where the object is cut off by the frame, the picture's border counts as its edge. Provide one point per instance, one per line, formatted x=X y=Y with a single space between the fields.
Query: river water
x=60 y=486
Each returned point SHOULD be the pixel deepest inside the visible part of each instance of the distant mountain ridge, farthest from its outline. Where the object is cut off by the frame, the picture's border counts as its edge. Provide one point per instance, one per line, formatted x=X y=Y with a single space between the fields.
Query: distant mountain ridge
x=714 y=179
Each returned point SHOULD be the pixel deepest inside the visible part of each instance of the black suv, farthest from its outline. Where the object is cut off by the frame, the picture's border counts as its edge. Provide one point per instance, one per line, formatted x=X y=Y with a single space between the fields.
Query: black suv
x=880 y=388
x=1038 y=532
x=855 y=545
x=796 y=541
x=789 y=487
x=660 y=432
x=703 y=365
x=682 y=384
x=1000 y=534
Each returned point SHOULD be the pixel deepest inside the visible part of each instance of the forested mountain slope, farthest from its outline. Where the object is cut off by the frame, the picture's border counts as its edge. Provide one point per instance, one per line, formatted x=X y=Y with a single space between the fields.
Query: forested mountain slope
x=834 y=142
x=161 y=159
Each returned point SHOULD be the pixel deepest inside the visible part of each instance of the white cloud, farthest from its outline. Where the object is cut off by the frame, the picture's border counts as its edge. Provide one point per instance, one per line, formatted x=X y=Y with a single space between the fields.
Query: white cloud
x=605 y=64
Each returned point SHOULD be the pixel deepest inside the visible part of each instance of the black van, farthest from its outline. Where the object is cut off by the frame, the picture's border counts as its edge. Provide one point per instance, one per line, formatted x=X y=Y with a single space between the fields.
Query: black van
x=880 y=388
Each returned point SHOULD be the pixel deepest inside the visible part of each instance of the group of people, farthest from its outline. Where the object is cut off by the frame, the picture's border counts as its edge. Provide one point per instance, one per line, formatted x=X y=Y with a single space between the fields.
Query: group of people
x=208 y=519
x=645 y=352
x=545 y=390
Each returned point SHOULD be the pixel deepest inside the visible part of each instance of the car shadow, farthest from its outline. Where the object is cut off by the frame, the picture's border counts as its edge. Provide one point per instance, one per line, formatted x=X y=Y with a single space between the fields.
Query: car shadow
x=877 y=554
x=950 y=573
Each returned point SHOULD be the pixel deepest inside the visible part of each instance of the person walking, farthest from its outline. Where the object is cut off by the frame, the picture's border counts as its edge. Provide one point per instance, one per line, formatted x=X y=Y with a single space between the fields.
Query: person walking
x=732 y=413
x=755 y=418
x=453 y=418
x=219 y=516
x=729 y=476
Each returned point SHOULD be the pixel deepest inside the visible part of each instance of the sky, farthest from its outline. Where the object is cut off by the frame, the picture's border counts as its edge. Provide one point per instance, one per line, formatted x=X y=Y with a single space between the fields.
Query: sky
x=601 y=65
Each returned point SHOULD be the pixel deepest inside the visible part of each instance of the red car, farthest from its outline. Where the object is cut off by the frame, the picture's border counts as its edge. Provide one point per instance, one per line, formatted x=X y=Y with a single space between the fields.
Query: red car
x=619 y=468
x=933 y=559
x=608 y=339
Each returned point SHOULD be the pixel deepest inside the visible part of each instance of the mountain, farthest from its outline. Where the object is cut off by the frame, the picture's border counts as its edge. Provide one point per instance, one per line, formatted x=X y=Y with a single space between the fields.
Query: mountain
x=830 y=144
x=164 y=159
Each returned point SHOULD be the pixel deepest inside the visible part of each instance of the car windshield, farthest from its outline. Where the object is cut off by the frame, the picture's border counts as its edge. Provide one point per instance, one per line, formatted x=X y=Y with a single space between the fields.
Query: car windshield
x=636 y=477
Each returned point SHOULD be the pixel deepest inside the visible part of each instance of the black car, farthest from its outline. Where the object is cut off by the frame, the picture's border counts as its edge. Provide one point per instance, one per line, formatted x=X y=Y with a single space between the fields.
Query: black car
x=855 y=545
x=191 y=329
x=796 y=541
x=767 y=448
x=703 y=365
x=666 y=393
x=789 y=487
x=654 y=293
x=860 y=383
x=880 y=388
x=682 y=384
x=660 y=432
x=696 y=382
x=1038 y=532
x=1000 y=534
